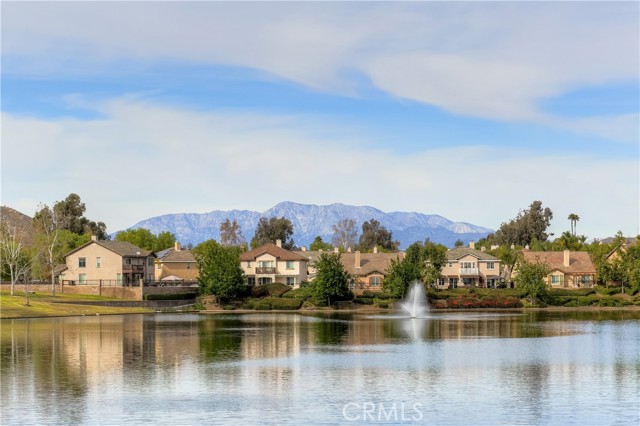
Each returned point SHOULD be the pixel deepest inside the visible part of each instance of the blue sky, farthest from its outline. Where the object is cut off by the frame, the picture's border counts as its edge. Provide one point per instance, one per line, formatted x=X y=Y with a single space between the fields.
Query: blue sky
x=467 y=110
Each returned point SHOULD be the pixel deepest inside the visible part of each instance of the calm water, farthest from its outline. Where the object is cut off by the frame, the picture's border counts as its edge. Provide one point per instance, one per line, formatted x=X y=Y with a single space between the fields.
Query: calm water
x=452 y=368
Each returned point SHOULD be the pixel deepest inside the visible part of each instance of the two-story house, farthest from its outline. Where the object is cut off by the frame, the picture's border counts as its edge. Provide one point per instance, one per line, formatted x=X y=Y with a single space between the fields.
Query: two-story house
x=271 y=263
x=367 y=270
x=108 y=263
x=468 y=267
x=176 y=264
x=568 y=269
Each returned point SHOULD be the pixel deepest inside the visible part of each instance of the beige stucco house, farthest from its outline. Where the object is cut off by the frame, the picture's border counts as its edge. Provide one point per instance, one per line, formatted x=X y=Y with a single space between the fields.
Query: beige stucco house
x=569 y=269
x=108 y=263
x=468 y=267
x=366 y=269
x=271 y=263
x=175 y=264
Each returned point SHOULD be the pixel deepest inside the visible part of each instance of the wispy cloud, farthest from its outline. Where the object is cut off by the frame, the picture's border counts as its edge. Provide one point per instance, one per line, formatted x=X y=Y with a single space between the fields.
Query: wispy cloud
x=144 y=159
x=489 y=60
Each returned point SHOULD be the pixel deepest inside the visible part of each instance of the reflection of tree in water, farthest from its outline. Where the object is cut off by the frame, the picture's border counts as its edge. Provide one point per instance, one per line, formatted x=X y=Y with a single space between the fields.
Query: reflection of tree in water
x=220 y=339
x=34 y=355
x=331 y=332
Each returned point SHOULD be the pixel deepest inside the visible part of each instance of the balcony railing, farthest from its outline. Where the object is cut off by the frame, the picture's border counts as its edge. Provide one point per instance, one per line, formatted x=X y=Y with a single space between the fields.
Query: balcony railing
x=265 y=270
x=469 y=271
x=132 y=268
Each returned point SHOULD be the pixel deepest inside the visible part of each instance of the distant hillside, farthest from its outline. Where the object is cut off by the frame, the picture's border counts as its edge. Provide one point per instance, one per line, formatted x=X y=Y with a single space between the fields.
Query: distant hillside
x=20 y=221
x=310 y=221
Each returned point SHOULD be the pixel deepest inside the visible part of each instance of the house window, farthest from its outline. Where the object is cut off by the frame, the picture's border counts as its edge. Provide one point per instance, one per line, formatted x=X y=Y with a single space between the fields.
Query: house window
x=150 y=261
x=251 y=281
x=490 y=265
x=449 y=264
x=82 y=278
x=188 y=266
x=82 y=262
x=291 y=281
x=375 y=281
x=127 y=261
x=289 y=264
x=159 y=265
x=555 y=279
x=98 y=262
x=119 y=278
x=248 y=264
x=453 y=282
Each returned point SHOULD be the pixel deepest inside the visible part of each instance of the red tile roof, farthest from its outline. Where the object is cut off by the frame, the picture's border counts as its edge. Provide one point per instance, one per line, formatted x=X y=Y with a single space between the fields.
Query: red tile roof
x=272 y=249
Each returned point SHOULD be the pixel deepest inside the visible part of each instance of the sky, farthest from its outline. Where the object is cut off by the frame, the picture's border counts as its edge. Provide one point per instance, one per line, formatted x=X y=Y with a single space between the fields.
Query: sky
x=467 y=110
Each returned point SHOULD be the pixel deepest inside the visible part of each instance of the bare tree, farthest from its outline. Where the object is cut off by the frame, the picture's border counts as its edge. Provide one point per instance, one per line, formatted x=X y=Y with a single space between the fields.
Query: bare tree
x=48 y=223
x=344 y=234
x=14 y=257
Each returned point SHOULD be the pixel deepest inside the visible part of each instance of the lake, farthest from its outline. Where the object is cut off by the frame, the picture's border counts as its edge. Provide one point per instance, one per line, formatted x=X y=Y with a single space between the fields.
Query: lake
x=451 y=368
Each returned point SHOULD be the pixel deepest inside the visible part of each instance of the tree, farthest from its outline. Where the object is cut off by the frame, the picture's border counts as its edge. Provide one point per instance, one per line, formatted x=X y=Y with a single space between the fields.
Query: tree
x=573 y=218
x=69 y=212
x=458 y=243
x=530 y=224
x=435 y=256
x=219 y=270
x=318 y=244
x=145 y=239
x=332 y=281
x=270 y=230
x=509 y=258
x=376 y=235
x=344 y=234
x=48 y=226
x=530 y=280
x=569 y=241
x=400 y=275
x=16 y=261
x=231 y=233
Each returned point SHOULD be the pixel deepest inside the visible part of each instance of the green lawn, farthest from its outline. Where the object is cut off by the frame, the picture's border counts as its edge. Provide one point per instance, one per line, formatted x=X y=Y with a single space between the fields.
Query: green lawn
x=41 y=305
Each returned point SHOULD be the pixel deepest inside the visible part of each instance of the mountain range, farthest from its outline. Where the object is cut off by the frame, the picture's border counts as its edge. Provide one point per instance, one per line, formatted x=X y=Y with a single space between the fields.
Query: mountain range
x=311 y=220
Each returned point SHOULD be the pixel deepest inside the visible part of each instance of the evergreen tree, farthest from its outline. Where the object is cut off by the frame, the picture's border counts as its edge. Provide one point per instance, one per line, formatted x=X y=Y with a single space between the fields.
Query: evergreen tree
x=270 y=230
x=332 y=281
x=219 y=269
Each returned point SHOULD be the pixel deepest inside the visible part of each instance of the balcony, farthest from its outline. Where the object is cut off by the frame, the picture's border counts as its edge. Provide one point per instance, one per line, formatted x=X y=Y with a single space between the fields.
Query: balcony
x=469 y=272
x=263 y=270
x=132 y=268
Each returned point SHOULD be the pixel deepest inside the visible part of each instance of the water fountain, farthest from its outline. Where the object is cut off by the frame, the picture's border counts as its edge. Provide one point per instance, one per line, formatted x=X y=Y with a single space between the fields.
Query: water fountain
x=416 y=303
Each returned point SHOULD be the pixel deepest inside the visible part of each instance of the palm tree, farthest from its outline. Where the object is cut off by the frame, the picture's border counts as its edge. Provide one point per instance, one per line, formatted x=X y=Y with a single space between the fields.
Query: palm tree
x=574 y=218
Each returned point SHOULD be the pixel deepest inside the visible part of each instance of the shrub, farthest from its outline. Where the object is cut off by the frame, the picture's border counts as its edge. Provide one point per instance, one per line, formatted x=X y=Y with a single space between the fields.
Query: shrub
x=368 y=293
x=270 y=290
x=285 y=304
x=381 y=303
x=228 y=307
x=363 y=300
x=299 y=293
x=608 y=291
x=171 y=296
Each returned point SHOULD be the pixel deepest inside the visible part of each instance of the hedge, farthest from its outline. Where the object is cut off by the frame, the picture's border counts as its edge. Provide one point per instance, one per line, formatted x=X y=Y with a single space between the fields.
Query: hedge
x=171 y=296
x=271 y=290
x=268 y=303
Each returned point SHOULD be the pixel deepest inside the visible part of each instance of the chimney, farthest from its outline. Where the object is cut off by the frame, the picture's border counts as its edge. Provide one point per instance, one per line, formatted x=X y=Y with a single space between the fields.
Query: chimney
x=472 y=245
x=357 y=257
x=375 y=249
x=304 y=248
x=335 y=250
x=176 y=246
x=279 y=242
x=348 y=249
x=513 y=246
x=94 y=238
x=567 y=258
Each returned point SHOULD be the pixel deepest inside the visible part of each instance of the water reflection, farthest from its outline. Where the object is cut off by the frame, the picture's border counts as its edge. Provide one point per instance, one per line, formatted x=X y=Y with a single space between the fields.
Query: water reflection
x=78 y=370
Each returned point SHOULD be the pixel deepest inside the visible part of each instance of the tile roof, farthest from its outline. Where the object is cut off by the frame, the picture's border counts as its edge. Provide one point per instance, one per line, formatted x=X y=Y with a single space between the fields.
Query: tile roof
x=579 y=261
x=179 y=256
x=272 y=249
x=460 y=252
x=369 y=262
x=123 y=248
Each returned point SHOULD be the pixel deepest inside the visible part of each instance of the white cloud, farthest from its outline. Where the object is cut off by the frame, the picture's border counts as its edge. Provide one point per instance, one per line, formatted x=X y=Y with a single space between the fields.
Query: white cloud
x=491 y=60
x=143 y=159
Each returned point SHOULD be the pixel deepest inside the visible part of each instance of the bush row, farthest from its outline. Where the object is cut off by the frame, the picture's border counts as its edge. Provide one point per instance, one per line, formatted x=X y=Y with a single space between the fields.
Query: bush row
x=268 y=303
x=471 y=302
x=171 y=296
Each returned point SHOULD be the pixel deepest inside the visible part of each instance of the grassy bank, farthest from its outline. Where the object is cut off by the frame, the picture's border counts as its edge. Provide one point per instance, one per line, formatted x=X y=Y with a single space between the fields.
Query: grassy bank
x=45 y=305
